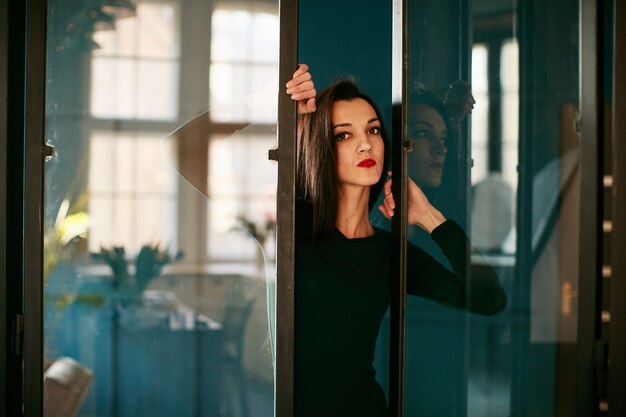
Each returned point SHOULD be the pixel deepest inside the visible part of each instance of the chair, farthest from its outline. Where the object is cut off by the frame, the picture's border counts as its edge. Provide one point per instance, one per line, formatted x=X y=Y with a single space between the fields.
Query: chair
x=66 y=384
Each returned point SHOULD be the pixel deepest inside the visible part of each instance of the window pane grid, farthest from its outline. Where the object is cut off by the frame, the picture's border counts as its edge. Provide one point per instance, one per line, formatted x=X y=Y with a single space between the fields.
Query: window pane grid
x=130 y=203
x=142 y=52
x=244 y=58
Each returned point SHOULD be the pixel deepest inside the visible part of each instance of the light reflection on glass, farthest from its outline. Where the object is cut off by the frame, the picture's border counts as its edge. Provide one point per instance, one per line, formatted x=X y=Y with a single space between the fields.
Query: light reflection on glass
x=480 y=114
x=509 y=77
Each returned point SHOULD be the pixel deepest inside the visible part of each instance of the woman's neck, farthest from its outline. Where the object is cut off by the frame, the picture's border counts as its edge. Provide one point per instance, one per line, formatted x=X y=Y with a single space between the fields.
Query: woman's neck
x=353 y=212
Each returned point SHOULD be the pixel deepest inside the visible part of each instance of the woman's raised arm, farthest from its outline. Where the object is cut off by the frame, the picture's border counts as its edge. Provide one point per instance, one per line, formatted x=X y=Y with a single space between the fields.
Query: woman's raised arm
x=478 y=293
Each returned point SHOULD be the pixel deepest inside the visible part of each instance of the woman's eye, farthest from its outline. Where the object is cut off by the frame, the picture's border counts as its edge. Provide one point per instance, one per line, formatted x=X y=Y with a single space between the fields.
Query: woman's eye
x=422 y=134
x=374 y=130
x=341 y=136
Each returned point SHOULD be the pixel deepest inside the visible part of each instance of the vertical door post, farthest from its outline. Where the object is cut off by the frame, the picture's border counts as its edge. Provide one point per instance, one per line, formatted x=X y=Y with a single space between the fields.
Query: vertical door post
x=521 y=288
x=4 y=313
x=590 y=215
x=399 y=147
x=36 y=35
x=285 y=218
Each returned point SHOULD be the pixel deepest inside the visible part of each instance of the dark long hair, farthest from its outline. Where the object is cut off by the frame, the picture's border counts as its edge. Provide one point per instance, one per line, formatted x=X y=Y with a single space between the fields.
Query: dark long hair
x=316 y=178
x=428 y=98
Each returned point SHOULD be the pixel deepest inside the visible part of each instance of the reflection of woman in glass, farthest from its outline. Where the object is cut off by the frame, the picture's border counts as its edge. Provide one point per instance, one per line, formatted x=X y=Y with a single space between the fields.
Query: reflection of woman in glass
x=429 y=131
x=343 y=262
x=434 y=163
x=434 y=127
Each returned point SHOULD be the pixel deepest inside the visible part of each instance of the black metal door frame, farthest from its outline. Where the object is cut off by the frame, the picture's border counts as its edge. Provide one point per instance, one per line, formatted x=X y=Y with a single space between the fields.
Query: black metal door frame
x=19 y=64
x=589 y=353
x=34 y=155
x=4 y=296
x=399 y=230
x=285 y=215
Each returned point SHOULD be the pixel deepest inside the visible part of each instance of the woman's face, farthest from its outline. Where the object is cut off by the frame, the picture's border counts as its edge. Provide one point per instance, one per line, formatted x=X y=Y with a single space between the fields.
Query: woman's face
x=360 y=146
x=428 y=132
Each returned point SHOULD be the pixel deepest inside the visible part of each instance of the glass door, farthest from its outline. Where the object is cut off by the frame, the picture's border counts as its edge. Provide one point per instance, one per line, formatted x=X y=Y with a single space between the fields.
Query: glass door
x=493 y=103
x=504 y=113
x=437 y=339
x=160 y=208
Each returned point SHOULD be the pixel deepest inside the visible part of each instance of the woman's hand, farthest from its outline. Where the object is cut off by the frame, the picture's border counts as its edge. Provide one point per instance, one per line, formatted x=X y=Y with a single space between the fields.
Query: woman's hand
x=421 y=212
x=388 y=203
x=302 y=89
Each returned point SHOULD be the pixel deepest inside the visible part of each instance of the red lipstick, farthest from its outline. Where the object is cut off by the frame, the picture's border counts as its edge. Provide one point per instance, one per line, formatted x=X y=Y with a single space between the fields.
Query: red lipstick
x=367 y=163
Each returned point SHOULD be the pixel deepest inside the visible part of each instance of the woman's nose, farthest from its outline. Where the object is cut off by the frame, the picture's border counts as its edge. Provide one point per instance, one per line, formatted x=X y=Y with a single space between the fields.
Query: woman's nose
x=439 y=149
x=364 y=144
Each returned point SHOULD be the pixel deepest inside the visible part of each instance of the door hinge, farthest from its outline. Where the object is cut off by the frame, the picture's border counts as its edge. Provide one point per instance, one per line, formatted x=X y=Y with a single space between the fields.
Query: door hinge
x=17 y=336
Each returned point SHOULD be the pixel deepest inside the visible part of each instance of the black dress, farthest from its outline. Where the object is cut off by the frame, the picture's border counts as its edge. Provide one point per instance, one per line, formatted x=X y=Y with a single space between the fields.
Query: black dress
x=342 y=293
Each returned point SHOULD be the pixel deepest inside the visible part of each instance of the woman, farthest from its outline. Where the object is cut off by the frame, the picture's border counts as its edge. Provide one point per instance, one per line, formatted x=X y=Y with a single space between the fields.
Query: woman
x=343 y=262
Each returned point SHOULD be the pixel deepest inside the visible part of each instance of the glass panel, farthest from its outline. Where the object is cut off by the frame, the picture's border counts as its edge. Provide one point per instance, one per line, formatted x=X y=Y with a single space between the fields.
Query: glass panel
x=465 y=123
x=160 y=220
x=436 y=357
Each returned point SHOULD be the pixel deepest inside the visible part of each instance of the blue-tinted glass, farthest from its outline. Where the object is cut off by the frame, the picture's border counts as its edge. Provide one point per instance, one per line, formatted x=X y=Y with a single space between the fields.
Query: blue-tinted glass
x=159 y=216
x=483 y=168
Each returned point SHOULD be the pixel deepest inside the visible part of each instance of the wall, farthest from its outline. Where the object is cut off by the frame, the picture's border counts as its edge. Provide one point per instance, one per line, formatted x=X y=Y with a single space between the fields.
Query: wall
x=348 y=38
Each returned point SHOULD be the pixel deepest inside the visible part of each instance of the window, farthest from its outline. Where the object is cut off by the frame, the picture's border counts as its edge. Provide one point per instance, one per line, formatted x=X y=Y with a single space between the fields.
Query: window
x=135 y=69
x=134 y=87
x=480 y=115
x=244 y=58
x=509 y=77
x=132 y=191
x=137 y=88
x=243 y=86
x=502 y=139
